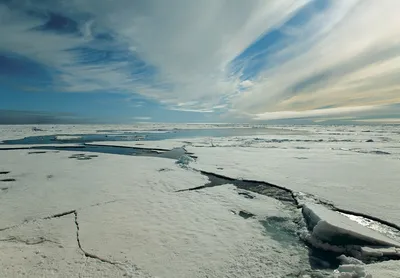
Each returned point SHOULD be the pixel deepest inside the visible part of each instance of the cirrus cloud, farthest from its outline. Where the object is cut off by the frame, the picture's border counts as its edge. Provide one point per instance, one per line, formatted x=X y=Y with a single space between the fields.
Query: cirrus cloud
x=259 y=59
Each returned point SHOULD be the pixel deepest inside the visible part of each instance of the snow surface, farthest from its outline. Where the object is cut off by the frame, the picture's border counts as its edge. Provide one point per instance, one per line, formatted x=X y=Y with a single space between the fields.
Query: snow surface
x=357 y=182
x=48 y=248
x=67 y=137
x=53 y=182
x=189 y=235
x=330 y=226
x=163 y=144
x=387 y=269
x=8 y=132
x=129 y=211
x=352 y=271
x=24 y=146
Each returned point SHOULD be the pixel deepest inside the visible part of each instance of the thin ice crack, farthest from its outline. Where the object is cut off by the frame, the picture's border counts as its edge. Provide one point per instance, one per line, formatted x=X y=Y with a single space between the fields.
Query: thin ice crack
x=37 y=241
x=105 y=203
x=87 y=254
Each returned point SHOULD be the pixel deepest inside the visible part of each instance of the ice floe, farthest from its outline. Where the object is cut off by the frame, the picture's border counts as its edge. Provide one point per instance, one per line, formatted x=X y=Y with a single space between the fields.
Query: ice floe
x=128 y=211
x=349 y=181
x=136 y=212
x=67 y=137
x=336 y=229
x=160 y=145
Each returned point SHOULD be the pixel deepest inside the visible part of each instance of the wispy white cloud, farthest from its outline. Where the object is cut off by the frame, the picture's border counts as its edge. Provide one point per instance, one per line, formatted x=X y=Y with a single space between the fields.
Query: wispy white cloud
x=315 y=113
x=189 y=44
x=379 y=121
x=344 y=59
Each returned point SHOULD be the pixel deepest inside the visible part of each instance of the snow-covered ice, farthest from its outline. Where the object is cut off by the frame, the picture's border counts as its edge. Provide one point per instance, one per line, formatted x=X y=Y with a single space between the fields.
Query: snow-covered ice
x=26 y=146
x=48 y=248
x=162 y=145
x=334 y=228
x=387 y=269
x=357 y=182
x=188 y=235
x=67 y=137
x=352 y=271
x=8 y=132
x=132 y=211
x=53 y=182
x=128 y=211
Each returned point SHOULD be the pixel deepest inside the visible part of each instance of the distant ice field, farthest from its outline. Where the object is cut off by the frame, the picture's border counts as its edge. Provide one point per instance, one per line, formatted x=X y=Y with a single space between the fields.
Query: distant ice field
x=162 y=200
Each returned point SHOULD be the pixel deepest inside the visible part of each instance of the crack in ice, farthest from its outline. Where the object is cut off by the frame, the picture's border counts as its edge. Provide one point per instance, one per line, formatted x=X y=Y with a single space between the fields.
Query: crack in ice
x=271 y=190
x=122 y=266
x=39 y=240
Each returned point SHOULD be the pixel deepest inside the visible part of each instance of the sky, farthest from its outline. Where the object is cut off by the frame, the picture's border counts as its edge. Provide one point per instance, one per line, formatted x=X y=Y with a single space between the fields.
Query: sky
x=126 y=61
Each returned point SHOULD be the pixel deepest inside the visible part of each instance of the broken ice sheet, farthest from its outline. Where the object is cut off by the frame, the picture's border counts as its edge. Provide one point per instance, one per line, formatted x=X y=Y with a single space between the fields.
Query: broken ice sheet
x=332 y=231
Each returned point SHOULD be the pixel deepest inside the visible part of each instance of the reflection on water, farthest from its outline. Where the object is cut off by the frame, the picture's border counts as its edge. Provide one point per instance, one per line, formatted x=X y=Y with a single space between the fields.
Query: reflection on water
x=282 y=230
x=139 y=136
x=172 y=154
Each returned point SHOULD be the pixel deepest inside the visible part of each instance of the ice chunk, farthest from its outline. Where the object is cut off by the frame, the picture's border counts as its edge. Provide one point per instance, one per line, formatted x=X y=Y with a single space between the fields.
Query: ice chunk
x=351 y=271
x=387 y=269
x=348 y=260
x=388 y=252
x=67 y=137
x=336 y=229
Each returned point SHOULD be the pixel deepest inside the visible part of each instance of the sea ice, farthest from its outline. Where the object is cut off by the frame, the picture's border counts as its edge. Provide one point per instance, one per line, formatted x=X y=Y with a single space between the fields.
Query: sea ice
x=351 y=271
x=336 y=229
x=129 y=211
x=48 y=248
x=161 y=145
x=350 y=181
x=67 y=137
x=27 y=146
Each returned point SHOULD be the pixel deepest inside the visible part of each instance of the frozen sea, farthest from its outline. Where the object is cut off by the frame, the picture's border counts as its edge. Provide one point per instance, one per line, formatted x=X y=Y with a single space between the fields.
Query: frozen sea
x=199 y=200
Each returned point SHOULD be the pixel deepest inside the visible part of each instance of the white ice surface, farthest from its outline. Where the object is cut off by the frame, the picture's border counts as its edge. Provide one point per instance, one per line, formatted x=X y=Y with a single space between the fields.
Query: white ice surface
x=377 y=252
x=8 y=132
x=48 y=248
x=349 y=260
x=387 y=269
x=261 y=206
x=163 y=144
x=358 y=182
x=352 y=271
x=329 y=225
x=67 y=137
x=52 y=182
x=24 y=146
x=333 y=163
x=190 y=234
x=129 y=211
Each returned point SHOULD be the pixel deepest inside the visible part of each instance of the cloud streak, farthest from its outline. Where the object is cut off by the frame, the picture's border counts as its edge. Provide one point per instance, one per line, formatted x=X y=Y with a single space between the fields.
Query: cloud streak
x=256 y=59
x=349 y=57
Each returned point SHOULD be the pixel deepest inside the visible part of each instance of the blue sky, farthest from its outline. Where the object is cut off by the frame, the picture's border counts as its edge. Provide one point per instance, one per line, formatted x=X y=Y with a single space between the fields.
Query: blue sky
x=126 y=61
